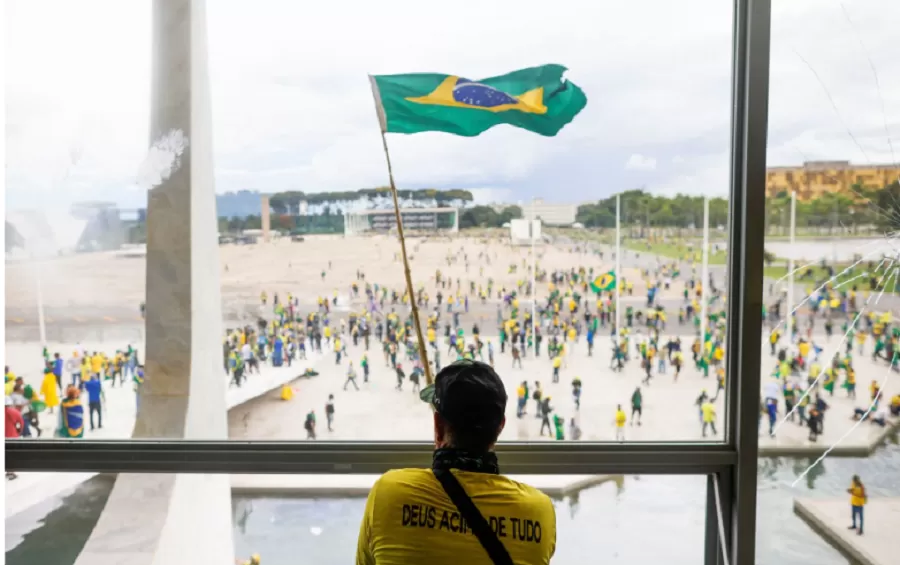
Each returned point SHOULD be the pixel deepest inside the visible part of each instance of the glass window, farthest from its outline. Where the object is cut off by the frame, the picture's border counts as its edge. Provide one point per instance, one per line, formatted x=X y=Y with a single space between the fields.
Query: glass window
x=608 y=516
x=829 y=365
x=79 y=202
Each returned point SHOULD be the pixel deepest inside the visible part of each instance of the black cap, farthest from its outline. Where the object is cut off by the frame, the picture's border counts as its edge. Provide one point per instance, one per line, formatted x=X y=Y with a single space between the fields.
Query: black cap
x=468 y=394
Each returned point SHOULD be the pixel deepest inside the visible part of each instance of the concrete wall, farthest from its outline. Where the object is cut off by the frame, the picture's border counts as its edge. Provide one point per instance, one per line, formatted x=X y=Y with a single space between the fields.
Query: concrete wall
x=159 y=518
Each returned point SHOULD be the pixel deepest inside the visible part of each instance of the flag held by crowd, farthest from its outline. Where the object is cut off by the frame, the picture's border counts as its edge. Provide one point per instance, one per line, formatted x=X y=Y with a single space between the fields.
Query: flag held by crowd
x=604 y=283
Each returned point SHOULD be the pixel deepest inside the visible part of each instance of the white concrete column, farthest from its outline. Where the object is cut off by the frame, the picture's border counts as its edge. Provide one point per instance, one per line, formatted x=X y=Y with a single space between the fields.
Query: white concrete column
x=165 y=518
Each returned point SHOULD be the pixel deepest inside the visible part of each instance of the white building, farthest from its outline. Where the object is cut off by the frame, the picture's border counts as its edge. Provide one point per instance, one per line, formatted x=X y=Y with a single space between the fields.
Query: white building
x=550 y=214
x=414 y=219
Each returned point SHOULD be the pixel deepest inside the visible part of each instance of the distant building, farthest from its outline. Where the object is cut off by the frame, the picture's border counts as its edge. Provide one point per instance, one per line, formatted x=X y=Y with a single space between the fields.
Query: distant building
x=550 y=214
x=815 y=178
x=414 y=219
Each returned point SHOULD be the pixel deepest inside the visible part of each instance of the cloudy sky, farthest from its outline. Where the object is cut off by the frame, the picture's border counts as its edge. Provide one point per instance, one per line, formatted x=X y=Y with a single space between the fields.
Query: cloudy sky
x=292 y=107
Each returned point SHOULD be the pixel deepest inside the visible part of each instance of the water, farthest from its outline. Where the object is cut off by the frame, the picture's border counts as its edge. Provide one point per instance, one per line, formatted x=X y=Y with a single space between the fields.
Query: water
x=612 y=523
x=56 y=530
x=644 y=519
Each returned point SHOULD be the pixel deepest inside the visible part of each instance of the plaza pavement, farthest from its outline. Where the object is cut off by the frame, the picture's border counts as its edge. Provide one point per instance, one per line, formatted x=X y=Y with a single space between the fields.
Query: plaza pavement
x=118 y=415
x=830 y=519
x=379 y=412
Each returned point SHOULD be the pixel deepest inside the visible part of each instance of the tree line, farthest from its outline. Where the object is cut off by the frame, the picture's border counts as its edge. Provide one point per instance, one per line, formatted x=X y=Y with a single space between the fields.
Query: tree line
x=860 y=207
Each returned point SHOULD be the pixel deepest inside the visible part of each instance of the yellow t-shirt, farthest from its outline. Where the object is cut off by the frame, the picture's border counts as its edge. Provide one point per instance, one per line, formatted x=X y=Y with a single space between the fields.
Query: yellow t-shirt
x=709 y=411
x=410 y=519
x=857 y=496
x=620 y=418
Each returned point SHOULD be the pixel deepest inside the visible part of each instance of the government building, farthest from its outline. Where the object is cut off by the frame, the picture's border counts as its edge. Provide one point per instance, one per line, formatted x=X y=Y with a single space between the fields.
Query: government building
x=815 y=178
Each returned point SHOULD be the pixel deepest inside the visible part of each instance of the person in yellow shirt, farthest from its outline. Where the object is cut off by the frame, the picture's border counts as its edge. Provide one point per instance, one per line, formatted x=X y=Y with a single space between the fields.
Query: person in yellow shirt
x=709 y=416
x=895 y=405
x=557 y=363
x=424 y=515
x=338 y=350
x=97 y=364
x=50 y=390
x=620 y=423
x=858 y=500
x=10 y=383
x=254 y=560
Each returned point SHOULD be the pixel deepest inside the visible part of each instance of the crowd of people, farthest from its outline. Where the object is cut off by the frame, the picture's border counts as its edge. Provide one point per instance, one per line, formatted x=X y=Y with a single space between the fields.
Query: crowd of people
x=65 y=386
x=547 y=315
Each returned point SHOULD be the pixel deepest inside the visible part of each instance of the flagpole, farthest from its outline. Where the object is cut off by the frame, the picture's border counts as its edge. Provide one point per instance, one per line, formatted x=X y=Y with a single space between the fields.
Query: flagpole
x=704 y=277
x=423 y=353
x=790 y=288
x=533 y=283
x=618 y=263
x=42 y=327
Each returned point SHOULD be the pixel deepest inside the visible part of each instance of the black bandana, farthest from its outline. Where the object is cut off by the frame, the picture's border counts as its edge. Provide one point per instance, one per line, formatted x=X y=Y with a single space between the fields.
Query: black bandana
x=451 y=458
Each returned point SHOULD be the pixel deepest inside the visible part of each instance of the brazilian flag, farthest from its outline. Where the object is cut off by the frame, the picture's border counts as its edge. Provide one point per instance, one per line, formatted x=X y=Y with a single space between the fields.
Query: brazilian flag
x=537 y=99
x=604 y=283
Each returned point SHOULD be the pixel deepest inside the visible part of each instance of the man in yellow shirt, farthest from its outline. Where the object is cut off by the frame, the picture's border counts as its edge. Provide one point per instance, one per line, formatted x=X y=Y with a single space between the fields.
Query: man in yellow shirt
x=461 y=510
x=857 y=500
x=620 y=423
x=709 y=416
x=557 y=363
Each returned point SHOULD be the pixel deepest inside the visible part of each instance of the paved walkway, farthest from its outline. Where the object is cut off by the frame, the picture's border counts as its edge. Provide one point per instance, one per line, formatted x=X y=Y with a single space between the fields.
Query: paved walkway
x=118 y=417
x=379 y=412
x=830 y=518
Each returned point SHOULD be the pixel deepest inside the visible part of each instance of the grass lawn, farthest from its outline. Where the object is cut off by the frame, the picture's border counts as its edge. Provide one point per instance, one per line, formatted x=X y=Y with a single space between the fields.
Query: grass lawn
x=860 y=279
x=677 y=251
x=774 y=271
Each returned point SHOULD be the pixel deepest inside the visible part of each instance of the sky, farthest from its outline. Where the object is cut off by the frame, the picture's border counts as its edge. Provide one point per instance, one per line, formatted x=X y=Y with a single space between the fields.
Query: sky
x=292 y=108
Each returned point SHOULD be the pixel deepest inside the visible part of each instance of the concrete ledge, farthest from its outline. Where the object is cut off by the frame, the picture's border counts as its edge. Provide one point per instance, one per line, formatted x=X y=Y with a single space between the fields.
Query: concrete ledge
x=852 y=448
x=355 y=486
x=830 y=517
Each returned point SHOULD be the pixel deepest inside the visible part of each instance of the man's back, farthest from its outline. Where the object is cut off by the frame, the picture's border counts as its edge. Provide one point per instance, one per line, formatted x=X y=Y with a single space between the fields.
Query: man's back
x=410 y=519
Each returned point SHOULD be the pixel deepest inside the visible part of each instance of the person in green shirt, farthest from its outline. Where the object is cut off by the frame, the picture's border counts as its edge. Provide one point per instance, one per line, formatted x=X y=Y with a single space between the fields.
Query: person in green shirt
x=637 y=401
x=558 y=424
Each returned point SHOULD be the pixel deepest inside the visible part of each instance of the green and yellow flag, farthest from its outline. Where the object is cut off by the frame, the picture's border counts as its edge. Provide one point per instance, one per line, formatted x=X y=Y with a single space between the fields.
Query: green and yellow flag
x=604 y=283
x=537 y=99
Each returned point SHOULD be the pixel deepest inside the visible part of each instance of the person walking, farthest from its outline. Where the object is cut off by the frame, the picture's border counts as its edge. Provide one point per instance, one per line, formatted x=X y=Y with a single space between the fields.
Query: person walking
x=637 y=404
x=521 y=399
x=400 y=376
x=516 y=357
x=364 y=363
x=709 y=416
x=351 y=376
x=329 y=411
x=536 y=396
x=574 y=429
x=858 y=500
x=310 y=425
x=620 y=423
x=414 y=378
x=95 y=397
x=545 y=410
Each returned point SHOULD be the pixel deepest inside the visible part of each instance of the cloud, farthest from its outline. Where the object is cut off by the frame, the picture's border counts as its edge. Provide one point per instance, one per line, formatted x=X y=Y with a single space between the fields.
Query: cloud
x=640 y=163
x=292 y=109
